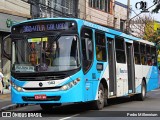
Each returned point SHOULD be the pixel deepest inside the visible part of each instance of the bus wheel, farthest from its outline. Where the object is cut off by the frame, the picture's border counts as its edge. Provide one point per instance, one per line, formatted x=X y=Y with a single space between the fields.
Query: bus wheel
x=106 y=98
x=142 y=95
x=99 y=104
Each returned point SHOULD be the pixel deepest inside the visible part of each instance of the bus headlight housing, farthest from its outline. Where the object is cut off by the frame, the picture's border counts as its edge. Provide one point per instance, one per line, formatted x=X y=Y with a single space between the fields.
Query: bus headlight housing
x=70 y=84
x=19 y=89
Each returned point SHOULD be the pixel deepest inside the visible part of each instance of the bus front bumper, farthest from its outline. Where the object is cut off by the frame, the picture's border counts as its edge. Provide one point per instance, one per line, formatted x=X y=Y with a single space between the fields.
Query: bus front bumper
x=74 y=94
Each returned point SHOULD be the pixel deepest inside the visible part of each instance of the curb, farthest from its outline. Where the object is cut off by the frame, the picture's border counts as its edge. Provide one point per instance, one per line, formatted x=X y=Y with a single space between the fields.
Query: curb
x=12 y=106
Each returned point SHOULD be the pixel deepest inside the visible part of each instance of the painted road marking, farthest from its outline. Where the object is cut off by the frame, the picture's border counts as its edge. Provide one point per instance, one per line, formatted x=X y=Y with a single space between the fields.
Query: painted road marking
x=65 y=118
x=9 y=107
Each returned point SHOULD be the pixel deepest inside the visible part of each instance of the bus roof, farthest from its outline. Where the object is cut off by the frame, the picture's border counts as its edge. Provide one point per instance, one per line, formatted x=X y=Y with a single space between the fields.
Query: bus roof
x=146 y=42
x=92 y=25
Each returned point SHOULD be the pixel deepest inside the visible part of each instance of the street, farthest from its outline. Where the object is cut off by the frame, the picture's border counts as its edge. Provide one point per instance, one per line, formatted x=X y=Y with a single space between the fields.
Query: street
x=120 y=107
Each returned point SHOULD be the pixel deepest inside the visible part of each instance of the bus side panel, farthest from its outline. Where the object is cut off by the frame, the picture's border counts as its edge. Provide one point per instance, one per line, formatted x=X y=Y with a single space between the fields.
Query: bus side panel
x=152 y=82
x=122 y=79
x=104 y=74
x=138 y=78
x=91 y=79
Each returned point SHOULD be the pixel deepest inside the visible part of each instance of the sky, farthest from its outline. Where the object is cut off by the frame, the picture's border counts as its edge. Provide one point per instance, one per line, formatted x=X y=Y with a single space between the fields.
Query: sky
x=149 y=3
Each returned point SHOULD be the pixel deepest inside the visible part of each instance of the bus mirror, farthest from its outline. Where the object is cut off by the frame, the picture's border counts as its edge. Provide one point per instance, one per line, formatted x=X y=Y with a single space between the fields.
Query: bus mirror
x=6 y=47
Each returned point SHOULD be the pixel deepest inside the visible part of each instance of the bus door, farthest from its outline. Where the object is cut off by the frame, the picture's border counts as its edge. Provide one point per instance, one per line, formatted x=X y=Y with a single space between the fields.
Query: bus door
x=111 y=65
x=130 y=66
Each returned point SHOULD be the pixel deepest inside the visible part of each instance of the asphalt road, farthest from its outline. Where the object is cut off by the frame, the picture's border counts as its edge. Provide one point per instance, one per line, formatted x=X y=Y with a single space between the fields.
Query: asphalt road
x=118 y=109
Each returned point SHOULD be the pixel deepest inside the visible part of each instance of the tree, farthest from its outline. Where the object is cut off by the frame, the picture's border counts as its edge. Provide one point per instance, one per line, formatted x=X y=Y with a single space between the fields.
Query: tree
x=155 y=36
x=142 y=27
x=157 y=8
x=149 y=33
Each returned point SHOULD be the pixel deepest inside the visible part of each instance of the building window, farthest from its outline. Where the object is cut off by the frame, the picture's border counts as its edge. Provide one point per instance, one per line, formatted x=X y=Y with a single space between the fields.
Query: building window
x=104 y=5
x=43 y=2
x=115 y=22
x=122 y=23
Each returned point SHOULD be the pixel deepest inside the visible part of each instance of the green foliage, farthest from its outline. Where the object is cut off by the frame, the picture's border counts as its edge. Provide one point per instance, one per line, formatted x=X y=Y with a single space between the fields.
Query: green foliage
x=155 y=36
x=151 y=31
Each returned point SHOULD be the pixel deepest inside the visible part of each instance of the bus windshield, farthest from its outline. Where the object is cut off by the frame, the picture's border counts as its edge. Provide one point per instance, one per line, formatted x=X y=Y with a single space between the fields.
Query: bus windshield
x=47 y=54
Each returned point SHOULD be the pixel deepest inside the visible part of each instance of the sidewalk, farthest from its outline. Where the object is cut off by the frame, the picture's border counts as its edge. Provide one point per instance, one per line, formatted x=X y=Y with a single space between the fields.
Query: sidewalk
x=6 y=96
x=6 y=91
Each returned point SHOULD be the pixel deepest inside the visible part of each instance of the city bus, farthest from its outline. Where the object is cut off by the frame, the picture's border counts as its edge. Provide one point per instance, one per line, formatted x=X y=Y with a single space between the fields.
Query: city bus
x=66 y=60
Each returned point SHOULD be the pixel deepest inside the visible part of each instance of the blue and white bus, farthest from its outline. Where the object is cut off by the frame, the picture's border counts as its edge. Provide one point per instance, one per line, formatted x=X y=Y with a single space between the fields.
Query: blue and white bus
x=66 y=60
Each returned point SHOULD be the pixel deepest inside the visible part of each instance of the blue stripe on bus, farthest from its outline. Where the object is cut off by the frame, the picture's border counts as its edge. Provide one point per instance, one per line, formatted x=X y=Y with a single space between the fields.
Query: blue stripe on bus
x=153 y=79
x=17 y=82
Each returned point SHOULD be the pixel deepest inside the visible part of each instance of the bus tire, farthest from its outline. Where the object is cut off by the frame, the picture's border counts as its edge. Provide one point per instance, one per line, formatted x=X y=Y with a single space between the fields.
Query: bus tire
x=142 y=95
x=99 y=104
x=106 y=98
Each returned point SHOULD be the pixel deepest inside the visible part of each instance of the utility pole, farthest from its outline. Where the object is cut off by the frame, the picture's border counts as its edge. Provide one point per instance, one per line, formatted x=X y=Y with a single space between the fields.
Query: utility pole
x=128 y=14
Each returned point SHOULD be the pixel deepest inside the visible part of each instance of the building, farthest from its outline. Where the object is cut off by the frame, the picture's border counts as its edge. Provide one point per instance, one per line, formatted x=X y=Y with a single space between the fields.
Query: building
x=104 y=12
x=53 y=8
x=97 y=11
x=120 y=16
x=10 y=13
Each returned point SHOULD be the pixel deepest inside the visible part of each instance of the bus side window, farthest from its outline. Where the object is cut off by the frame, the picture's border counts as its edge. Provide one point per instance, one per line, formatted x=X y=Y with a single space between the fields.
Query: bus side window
x=148 y=53
x=120 y=50
x=100 y=47
x=137 y=53
x=87 y=48
x=153 y=53
x=143 y=54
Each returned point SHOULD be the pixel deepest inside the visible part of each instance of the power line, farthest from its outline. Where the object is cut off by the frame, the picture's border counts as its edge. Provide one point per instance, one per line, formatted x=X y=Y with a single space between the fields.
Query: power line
x=142 y=19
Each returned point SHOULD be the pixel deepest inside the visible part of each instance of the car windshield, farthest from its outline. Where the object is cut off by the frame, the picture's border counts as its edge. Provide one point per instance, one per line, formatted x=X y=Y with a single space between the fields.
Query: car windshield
x=45 y=54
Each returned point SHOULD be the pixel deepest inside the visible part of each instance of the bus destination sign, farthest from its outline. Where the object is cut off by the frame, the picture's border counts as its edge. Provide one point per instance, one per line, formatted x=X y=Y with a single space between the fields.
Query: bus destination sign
x=43 y=26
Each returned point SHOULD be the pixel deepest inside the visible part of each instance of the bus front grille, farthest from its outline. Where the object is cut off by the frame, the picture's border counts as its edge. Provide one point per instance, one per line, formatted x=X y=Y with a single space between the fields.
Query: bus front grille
x=42 y=88
x=42 y=78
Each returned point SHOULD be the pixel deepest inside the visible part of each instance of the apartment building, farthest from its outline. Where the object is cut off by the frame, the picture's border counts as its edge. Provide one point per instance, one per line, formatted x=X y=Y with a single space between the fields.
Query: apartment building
x=53 y=8
x=120 y=16
x=103 y=12
x=108 y=13
x=97 y=11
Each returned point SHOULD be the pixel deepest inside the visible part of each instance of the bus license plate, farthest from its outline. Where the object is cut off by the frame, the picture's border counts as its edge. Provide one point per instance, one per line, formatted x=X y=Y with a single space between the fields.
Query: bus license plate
x=40 y=97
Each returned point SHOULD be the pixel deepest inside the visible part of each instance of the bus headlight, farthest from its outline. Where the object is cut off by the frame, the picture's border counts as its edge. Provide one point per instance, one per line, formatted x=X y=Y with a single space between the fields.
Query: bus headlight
x=19 y=89
x=70 y=85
